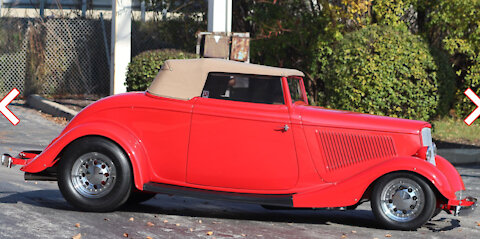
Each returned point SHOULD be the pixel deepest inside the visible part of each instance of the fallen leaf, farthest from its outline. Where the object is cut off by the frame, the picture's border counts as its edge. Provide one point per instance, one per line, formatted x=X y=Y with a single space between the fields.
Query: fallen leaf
x=131 y=219
x=388 y=235
x=150 y=224
x=344 y=236
x=78 y=236
x=191 y=229
x=354 y=232
x=125 y=234
x=148 y=238
x=209 y=233
x=200 y=221
x=478 y=224
x=77 y=225
x=106 y=219
x=36 y=182
x=165 y=221
x=243 y=235
x=178 y=224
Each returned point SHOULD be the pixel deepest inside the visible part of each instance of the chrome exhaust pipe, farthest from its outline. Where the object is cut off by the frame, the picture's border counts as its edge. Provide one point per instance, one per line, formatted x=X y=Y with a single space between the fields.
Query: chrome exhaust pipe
x=7 y=160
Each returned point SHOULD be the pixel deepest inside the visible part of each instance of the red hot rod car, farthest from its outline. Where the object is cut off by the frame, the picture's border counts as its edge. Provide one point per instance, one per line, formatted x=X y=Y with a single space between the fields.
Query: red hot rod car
x=236 y=131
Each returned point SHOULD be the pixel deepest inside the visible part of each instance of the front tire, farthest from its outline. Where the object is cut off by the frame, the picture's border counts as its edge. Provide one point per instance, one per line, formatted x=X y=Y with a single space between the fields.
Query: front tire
x=94 y=174
x=403 y=201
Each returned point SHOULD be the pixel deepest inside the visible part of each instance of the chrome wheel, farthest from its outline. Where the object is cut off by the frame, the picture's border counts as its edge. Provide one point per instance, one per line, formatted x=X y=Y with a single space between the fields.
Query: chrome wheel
x=93 y=175
x=402 y=200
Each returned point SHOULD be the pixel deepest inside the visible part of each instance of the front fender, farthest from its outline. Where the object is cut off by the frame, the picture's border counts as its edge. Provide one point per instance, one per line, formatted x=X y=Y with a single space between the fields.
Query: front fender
x=348 y=192
x=126 y=139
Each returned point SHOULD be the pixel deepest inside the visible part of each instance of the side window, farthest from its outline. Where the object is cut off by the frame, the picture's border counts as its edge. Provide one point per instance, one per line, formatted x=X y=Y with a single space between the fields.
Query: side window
x=246 y=88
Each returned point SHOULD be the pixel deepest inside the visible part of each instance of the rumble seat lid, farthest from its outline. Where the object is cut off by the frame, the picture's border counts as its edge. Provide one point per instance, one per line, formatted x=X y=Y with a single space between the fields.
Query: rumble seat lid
x=184 y=79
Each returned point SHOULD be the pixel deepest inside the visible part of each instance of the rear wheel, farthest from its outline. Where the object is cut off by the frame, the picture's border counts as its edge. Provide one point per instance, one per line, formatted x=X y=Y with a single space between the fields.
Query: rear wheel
x=403 y=201
x=94 y=174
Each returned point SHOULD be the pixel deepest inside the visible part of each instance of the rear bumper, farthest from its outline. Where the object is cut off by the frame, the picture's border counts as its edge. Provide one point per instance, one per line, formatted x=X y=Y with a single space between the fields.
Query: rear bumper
x=25 y=157
x=22 y=159
x=7 y=160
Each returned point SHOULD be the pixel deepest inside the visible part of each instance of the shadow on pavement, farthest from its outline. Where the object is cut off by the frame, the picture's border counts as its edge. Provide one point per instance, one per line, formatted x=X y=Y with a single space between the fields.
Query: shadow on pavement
x=188 y=207
x=221 y=210
x=180 y=206
x=450 y=224
x=43 y=198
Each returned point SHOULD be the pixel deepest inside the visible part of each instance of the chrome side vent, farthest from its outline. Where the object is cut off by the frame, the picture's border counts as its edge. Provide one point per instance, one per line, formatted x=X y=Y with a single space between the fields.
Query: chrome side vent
x=342 y=150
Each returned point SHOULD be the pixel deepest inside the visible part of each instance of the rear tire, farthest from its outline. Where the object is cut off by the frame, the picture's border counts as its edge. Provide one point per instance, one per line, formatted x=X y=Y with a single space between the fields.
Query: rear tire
x=403 y=201
x=94 y=174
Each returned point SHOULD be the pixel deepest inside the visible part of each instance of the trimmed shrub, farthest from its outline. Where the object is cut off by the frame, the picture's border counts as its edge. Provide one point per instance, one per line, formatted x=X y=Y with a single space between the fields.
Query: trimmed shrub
x=455 y=27
x=383 y=70
x=446 y=81
x=144 y=67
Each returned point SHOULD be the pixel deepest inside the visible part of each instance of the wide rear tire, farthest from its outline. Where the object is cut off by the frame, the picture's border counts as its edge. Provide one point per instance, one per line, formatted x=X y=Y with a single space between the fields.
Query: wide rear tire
x=403 y=201
x=94 y=174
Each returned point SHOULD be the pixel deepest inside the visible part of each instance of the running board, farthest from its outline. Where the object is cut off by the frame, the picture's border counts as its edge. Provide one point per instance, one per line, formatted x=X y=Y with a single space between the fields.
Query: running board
x=284 y=200
x=49 y=174
x=40 y=177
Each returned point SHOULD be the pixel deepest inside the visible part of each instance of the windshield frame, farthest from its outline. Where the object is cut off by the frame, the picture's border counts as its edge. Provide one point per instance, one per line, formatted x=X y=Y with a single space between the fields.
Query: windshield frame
x=302 y=99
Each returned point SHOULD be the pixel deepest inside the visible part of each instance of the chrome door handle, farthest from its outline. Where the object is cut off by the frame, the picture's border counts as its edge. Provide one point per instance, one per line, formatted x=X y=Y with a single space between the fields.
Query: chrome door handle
x=284 y=128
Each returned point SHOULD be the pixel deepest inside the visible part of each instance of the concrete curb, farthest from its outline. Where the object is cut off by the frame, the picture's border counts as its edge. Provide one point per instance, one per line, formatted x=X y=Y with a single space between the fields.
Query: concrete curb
x=460 y=156
x=50 y=107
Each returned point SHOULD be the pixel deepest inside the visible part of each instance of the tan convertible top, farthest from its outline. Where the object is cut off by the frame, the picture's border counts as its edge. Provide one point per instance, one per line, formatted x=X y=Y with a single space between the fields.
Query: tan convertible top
x=184 y=79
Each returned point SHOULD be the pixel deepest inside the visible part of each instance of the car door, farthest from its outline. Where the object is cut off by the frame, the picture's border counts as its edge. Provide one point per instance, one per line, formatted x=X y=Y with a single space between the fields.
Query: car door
x=163 y=126
x=240 y=135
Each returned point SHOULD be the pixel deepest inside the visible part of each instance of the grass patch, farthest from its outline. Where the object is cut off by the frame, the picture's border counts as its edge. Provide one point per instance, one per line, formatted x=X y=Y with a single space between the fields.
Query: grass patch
x=456 y=131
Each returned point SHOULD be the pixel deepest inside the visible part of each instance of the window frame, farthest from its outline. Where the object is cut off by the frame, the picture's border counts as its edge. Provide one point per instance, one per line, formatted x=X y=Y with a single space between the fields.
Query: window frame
x=280 y=78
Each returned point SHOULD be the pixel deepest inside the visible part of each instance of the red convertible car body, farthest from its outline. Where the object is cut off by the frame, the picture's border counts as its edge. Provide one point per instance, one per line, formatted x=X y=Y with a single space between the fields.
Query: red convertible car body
x=237 y=131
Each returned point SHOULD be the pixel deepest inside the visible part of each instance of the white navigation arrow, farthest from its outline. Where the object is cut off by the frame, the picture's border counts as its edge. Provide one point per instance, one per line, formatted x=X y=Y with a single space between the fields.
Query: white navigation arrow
x=6 y=101
x=476 y=100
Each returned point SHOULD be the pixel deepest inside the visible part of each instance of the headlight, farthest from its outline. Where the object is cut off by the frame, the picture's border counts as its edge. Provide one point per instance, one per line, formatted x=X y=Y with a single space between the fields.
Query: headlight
x=431 y=147
x=427 y=136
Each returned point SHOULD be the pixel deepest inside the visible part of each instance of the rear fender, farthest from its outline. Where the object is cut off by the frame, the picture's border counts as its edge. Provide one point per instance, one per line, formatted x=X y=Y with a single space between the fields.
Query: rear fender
x=349 y=192
x=123 y=137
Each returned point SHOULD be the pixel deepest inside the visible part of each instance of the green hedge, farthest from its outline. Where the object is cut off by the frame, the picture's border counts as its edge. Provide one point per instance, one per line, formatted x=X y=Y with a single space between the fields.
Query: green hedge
x=446 y=81
x=455 y=27
x=383 y=70
x=144 y=67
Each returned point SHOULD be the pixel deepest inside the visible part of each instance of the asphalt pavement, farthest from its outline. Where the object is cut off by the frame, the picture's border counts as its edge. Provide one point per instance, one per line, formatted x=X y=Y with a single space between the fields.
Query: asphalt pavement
x=38 y=210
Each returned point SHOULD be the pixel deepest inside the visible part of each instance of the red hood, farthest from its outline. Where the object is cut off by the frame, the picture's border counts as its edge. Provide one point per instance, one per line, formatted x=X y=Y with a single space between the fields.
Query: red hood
x=318 y=116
